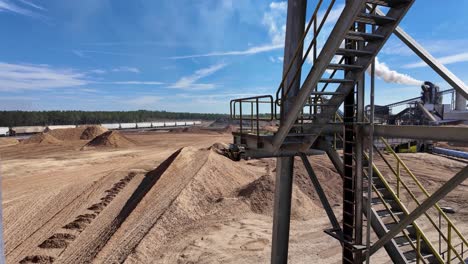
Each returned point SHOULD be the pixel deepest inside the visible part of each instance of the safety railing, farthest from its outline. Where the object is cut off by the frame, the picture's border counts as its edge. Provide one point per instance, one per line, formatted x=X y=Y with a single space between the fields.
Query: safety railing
x=453 y=238
x=249 y=123
x=420 y=234
x=281 y=92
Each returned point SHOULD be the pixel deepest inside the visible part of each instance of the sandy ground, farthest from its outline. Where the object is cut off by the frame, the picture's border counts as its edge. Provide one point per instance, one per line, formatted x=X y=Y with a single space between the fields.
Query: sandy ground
x=169 y=199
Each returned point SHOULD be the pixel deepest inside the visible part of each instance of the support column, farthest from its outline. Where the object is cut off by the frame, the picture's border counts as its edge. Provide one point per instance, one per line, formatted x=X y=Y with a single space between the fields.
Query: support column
x=460 y=102
x=349 y=182
x=284 y=166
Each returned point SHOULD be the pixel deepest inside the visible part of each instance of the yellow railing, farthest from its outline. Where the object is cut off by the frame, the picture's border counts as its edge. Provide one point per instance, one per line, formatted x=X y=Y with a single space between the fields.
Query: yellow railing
x=399 y=184
x=419 y=232
x=450 y=225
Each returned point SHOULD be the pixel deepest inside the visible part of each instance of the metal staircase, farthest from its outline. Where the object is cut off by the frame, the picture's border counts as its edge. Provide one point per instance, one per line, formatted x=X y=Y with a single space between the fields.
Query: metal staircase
x=359 y=50
x=348 y=52
x=392 y=203
x=335 y=80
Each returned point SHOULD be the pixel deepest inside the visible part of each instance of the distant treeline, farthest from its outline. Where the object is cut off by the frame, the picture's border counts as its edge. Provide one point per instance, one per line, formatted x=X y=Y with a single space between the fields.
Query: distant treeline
x=42 y=118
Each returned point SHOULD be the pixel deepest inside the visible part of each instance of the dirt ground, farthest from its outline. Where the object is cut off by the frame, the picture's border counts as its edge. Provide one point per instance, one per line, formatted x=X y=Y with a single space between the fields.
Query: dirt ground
x=169 y=198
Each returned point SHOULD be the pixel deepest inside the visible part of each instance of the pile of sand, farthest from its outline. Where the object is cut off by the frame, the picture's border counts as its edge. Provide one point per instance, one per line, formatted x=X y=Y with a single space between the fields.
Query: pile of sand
x=41 y=138
x=112 y=139
x=229 y=129
x=67 y=134
x=92 y=132
x=192 y=129
x=6 y=141
x=260 y=193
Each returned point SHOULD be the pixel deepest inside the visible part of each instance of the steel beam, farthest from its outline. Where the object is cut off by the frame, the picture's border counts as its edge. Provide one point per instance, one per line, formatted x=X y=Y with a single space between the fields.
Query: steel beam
x=427 y=204
x=295 y=24
x=323 y=198
x=436 y=133
x=332 y=44
x=333 y=156
x=438 y=67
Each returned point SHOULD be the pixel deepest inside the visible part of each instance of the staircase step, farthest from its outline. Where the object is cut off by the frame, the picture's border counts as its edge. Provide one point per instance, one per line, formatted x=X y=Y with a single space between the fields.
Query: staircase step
x=326 y=93
x=352 y=52
x=392 y=225
x=389 y=3
x=411 y=256
x=361 y=36
x=374 y=19
x=345 y=67
x=336 y=81
x=403 y=241
x=385 y=213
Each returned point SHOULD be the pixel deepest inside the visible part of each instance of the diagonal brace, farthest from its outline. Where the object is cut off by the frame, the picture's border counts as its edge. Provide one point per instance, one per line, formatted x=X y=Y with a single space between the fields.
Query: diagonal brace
x=438 y=67
x=323 y=197
x=428 y=203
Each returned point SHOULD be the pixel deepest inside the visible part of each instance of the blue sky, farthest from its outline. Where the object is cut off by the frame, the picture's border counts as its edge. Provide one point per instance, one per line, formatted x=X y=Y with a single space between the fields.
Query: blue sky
x=180 y=55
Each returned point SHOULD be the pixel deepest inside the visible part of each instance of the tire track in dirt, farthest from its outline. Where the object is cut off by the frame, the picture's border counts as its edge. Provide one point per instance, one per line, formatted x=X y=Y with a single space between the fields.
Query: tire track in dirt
x=62 y=240
x=53 y=219
x=65 y=210
x=94 y=238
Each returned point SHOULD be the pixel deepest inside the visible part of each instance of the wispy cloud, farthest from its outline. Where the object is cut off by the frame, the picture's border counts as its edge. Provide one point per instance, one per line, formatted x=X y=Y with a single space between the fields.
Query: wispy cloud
x=460 y=57
x=126 y=69
x=83 y=53
x=249 y=51
x=98 y=71
x=274 y=19
x=36 y=77
x=190 y=82
x=138 y=83
x=33 y=5
x=143 y=101
x=8 y=6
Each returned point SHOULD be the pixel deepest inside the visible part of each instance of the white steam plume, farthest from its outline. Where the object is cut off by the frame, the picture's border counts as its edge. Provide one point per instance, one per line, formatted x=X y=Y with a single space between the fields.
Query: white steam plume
x=390 y=76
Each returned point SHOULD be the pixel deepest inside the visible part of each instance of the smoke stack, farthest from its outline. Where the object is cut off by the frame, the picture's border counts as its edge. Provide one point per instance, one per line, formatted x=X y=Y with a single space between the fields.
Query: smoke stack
x=391 y=76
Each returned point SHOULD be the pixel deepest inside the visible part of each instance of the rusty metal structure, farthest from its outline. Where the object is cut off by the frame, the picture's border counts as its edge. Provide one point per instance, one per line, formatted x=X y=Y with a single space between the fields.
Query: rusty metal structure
x=327 y=109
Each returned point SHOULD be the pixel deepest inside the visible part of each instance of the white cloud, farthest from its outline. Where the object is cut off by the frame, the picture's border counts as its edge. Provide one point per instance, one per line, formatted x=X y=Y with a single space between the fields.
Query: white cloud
x=189 y=82
x=32 y=5
x=391 y=76
x=147 y=100
x=275 y=20
x=250 y=51
x=36 y=77
x=8 y=6
x=138 y=83
x=461 y=57
x=98 y=71
x=126 y=69
x=79 y=53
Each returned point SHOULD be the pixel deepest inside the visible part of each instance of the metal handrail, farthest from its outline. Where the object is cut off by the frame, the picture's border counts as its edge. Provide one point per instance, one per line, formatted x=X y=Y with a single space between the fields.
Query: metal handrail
x=313 y=43
x=397 y=198
x=447 y=240
x=450 y=224
x=406 y=211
